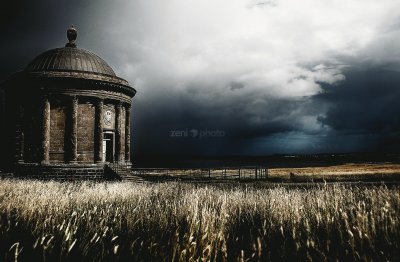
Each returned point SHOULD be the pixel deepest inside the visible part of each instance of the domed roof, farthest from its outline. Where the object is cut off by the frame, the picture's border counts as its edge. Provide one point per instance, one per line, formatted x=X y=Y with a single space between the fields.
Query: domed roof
x=70 y=58
x=71 y=66
x=71 y=61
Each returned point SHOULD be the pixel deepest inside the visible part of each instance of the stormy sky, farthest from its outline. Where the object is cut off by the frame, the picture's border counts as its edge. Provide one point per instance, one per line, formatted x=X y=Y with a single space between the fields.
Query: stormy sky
x=235 y=77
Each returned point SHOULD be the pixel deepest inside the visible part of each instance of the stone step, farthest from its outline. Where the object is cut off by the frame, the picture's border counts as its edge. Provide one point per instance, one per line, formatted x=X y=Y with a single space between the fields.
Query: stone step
x=126 y=174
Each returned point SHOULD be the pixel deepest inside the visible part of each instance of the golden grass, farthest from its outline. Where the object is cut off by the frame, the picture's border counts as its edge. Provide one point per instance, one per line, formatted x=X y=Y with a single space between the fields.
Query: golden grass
x=338 y=171
x=181 y=222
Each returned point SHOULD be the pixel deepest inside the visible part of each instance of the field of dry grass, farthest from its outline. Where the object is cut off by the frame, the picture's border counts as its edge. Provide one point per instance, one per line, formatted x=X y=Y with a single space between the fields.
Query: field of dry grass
x=339 y=172
x=180 y=222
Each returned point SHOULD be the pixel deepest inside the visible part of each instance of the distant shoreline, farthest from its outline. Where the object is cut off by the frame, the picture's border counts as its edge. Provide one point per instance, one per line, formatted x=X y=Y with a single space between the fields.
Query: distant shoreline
x=272 y=161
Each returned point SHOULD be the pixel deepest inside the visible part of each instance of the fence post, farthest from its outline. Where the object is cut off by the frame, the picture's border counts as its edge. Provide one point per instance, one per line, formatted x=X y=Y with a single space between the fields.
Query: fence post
x=256 y=173
x=239 y=173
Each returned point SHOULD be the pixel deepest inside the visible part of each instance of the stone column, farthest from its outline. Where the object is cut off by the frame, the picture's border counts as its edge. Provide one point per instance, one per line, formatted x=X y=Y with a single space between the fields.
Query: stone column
x=98 y=132
x=128 y=134
x=73 y=143
x=19 y=133
x=119 y=154
x=45 y=131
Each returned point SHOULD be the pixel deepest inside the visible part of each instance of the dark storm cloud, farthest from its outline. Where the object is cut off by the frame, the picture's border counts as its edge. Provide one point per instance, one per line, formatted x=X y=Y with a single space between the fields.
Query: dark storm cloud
x=243 y=121
x=367 y=103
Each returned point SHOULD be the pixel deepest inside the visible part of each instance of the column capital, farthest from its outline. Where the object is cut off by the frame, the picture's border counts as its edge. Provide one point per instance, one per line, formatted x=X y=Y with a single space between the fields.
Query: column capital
x=99 y=101
x=119 y=105
x=45 y=98
x=128 y=106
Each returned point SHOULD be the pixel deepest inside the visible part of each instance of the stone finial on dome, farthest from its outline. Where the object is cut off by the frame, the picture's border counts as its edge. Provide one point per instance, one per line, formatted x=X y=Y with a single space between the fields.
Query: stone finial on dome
x=72 y=33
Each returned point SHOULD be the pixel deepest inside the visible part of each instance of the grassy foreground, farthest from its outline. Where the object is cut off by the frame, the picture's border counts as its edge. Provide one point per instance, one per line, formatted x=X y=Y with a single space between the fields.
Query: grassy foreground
x=172 y=221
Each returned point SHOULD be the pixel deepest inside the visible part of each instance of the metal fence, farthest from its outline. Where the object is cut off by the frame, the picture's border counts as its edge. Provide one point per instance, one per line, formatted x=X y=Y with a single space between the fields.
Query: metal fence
x=224 y=173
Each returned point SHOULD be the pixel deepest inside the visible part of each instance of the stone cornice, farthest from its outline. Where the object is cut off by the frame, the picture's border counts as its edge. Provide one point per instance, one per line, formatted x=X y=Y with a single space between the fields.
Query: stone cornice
x=78 y=74
x=80 y=81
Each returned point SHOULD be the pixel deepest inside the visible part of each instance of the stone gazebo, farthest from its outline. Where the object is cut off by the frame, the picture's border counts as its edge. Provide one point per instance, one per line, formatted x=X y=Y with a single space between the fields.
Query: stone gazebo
x=69 y=115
